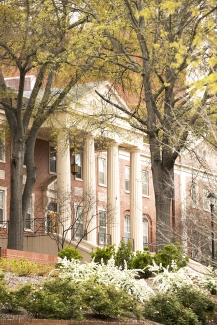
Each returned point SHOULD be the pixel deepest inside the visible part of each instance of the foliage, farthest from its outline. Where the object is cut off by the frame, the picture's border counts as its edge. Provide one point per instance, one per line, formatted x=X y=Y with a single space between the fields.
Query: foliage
x=197 y=301
x=69 y=253
x=141 y=261
x=124 y=254
x=103 y=254
x=14 y=300
x=106 y=274
x=109 y=301
x=58 y=299
x=169 y=279
x=210 y=283
x=24 y=267
x=166 y=309
x=171 y=253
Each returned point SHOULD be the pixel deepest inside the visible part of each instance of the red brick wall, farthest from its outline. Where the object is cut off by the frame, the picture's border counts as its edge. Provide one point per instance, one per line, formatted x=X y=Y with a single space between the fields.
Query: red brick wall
x=33 y=257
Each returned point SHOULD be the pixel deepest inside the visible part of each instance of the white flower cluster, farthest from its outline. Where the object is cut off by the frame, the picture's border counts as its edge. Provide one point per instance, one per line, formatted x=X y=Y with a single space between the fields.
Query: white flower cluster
x=170 y=280
x=106 y=274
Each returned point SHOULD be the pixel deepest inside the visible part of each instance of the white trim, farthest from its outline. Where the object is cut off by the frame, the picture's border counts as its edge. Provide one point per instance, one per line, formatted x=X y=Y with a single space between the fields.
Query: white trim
x=4 y=190
x=104 y=171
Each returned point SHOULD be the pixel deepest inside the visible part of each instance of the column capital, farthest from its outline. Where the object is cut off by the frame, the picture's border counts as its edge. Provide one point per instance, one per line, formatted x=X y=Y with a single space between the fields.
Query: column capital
x=135 y=150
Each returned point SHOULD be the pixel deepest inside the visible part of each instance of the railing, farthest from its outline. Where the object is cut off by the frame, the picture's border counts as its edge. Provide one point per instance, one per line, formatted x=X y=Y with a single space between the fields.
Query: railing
x=127 y=239
x=36 y=225
x=104 y=239
x=4 y=227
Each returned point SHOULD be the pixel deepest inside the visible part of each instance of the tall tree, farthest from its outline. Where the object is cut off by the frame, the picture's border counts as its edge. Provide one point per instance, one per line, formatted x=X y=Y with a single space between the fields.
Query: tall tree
x=165 y=52
x=46 y=38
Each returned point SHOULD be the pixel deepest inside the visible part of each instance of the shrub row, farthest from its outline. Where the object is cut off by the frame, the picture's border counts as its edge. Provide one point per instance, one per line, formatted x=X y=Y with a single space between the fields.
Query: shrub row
x=140 y=260
x=64 y=299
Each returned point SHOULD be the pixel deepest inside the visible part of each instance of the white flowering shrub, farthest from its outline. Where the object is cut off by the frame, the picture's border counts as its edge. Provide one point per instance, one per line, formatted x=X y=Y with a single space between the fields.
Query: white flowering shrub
x=209 y=283
x=107 y=275
x=170 y=280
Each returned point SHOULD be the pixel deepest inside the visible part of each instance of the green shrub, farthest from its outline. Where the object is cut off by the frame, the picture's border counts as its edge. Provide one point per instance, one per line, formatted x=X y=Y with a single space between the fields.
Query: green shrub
x=169 y=253
x=108 y=301
x=197 y=301
x=124 y=254
x=103 y=253
x=24 y=267
x=141 y=261
x=166 y=309
x=14 y=300
x=70 y=253
x=57 y=299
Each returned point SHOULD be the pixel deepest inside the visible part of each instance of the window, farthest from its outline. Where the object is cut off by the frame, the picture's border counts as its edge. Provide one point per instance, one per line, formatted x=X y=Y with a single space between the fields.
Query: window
x=144 y=178
x=53 y=160
x=127 y=178
x=194 y=194
x=145 y=231
x=102 y=228
x=78 y=161
x=102 y=171
x=126 y=228
x=205 y=199
x=78 y=230
x=29 y=218
x=51 y=219
x=2 y=202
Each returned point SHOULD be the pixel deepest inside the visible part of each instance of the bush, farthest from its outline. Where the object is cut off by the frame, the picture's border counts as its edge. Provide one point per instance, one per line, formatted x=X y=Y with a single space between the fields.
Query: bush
x=124 y=254
x=103 y=253
x=57 y=299
x=70 y=253
x=141 y=261
x=170 y=253
x=166 y=309
x=108 y=301
x=14 y=300
x=197 y=301
x=24 y=267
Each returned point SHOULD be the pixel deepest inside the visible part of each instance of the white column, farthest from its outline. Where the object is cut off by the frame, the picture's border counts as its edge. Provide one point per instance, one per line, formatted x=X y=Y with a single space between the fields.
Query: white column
x=64 y=184
x=136 y=200
x=89 y=181
x=113 y=194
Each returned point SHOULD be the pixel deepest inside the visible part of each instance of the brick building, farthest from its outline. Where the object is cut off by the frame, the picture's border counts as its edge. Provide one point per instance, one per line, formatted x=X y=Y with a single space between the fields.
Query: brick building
x=111 y=196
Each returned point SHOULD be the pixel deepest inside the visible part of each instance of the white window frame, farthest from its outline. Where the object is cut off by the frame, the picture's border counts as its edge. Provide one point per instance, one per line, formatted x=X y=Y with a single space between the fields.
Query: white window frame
x=78 y=223
x=127 y=179
x=79 y=162
x=145 y=230
x=102 y=226
x=102 y=163
x=31 y=213
x=4 y=207
x=194 y=194
x=127 y=226
x=52 y=158
x=145 y=185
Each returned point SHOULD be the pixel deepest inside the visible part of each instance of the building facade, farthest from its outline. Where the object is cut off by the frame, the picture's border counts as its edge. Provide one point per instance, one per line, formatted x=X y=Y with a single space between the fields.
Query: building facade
x=110 y=196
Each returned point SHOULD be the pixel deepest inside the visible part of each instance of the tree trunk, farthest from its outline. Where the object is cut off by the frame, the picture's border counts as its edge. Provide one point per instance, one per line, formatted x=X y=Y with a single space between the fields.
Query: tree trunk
x=16 y=226
x=163 y=182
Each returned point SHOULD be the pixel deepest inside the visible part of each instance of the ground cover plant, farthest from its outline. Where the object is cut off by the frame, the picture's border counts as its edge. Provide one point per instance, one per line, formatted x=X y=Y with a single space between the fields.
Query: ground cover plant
x=24 y=267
